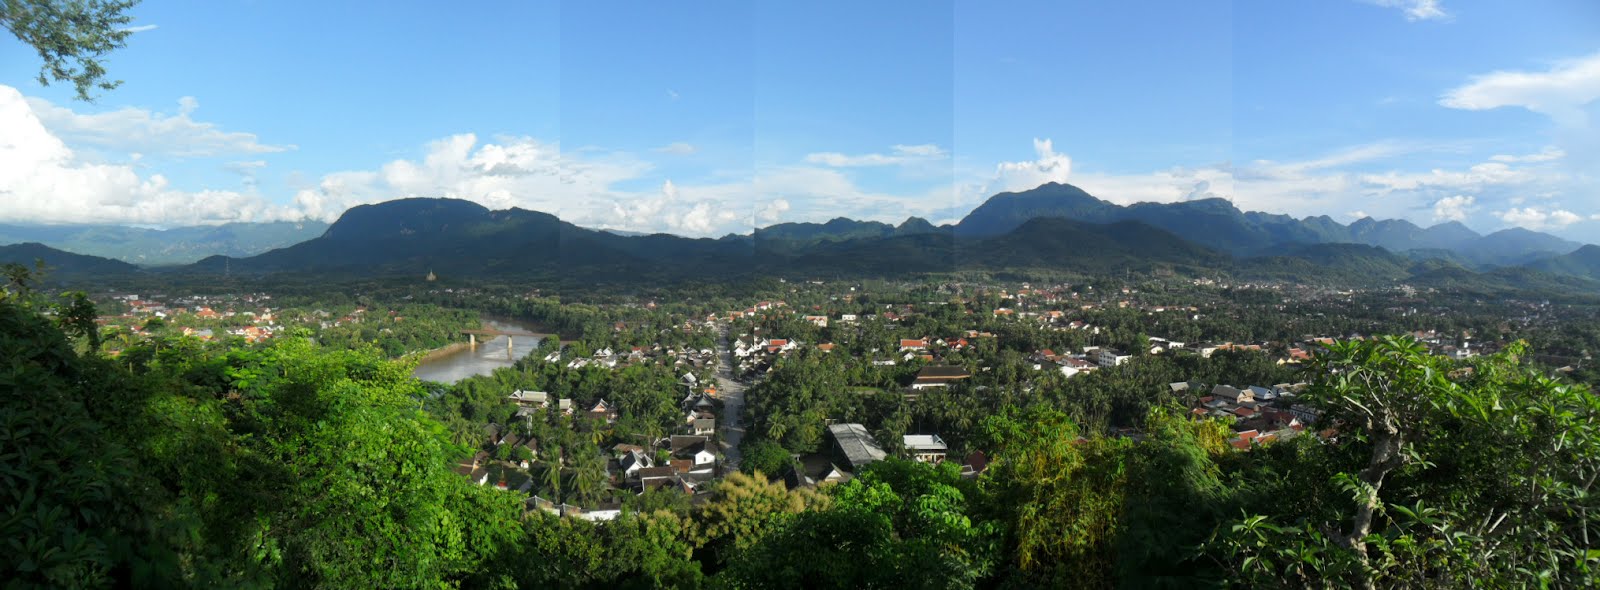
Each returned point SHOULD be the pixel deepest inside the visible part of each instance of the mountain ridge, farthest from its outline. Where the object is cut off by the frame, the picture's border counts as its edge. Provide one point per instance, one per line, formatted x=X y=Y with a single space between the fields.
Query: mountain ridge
x=416 y=236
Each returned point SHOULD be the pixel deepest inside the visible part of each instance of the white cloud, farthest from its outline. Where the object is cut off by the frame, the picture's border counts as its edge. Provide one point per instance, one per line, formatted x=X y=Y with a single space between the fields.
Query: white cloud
x=140 y=28
x=1535 y=218
x=898 y=154
x=1453 y=208
x=671 y=211
x=42 y=180
x=1047 y=166
x=1415 y=10
x=772 y=211
x=147 y=132
x=514 y=172
x=1479 y=175
x=1548 y=154
x=672 y=94
x=1560 y=92
x=677 y=149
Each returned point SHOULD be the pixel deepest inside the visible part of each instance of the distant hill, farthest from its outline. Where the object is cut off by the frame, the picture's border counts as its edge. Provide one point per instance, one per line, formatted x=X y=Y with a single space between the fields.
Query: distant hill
x=461 y=239
x=60 y=264
x=1008 y=211
x=466 y=240
x=412 y=233
x=1046 y=243
x=1217 y=224
x=789 y=235
x=1583 y=262
x=154 y=247
x=1355 y=263
x=1515 y=246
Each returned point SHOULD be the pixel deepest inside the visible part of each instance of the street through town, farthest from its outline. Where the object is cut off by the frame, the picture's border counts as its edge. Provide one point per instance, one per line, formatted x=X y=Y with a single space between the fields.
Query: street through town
x=731 y=392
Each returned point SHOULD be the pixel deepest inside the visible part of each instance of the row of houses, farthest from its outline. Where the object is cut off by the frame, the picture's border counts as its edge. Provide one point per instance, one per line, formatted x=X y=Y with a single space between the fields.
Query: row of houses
x=1259 y=414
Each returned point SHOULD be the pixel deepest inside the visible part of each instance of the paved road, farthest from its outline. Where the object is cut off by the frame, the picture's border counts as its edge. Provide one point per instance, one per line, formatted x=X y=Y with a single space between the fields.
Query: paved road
x=731 y=393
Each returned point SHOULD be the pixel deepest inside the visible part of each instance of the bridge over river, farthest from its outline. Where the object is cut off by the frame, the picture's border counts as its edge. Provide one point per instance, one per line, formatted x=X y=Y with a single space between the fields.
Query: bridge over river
x=472 y=335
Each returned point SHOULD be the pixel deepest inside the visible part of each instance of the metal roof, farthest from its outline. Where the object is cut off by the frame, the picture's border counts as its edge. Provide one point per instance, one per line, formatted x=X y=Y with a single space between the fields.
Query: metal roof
x=857 y=444
x=924 y=442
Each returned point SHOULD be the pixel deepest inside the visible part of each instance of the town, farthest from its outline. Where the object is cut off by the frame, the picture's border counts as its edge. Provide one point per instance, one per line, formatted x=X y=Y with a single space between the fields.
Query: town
x=820 y=379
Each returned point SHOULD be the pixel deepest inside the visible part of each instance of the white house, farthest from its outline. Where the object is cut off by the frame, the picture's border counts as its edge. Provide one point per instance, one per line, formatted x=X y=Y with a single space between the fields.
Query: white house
x=926 y=448
x=1111 y=358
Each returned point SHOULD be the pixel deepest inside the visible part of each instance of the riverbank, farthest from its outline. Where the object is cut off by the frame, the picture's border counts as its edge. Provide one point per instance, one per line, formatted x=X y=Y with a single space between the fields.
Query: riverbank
x=440 y=352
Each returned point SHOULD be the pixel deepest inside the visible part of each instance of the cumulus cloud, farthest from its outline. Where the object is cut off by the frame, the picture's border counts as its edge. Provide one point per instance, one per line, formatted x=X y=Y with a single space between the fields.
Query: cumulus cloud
x=42 y=180
x=1452 y=208
x=148 y=132
x=1560 y=92
x=1415 y=10
x=511 y=172
x=677 y=149
x=1047 y=166
x=1535 y=218
x=771 y=212
x=671 y=211
x=898 y=155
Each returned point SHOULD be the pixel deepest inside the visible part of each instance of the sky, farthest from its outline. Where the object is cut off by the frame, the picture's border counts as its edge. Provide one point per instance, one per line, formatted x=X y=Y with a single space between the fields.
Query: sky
x=708 y=118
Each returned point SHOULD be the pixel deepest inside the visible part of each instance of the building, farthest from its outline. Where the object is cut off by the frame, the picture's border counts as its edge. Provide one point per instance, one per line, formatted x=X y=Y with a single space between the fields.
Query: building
x=704 y=426
x=927 y=448
x=938 y=376
x=537 y=399
x=856 y=445
x=1233 y=394
x=1110 y=358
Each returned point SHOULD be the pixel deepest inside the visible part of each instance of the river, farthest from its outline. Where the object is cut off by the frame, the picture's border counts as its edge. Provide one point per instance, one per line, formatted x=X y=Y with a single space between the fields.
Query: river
x=463 y=362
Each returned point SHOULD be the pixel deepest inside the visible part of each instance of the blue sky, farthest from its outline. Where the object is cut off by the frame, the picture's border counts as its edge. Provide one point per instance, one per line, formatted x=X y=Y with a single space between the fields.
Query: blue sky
x=706 y=118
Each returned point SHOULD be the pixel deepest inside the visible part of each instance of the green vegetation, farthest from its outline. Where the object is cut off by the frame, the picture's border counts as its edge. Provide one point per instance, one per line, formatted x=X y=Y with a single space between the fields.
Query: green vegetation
x=71 y=38
x=314 y=460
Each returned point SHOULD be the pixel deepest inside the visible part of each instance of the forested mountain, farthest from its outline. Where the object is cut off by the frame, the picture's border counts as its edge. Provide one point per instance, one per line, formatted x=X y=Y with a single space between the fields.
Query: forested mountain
x=839 y=229
x=63 y=264
x=461 y=238
x=155 y=247
x=1583 y=262
x=1216 y=223
x=411 y=235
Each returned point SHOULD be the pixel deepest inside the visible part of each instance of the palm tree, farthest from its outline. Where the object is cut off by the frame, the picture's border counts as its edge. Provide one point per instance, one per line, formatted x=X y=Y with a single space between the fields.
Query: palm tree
x=589 y=479
x=552 y=480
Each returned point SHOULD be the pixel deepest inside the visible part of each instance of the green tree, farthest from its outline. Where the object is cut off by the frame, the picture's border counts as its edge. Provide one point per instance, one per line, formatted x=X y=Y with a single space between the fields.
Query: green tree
x=71 y=38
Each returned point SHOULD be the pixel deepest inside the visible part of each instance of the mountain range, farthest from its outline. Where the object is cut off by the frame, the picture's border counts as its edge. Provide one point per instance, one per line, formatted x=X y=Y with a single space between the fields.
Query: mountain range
x=1054 y=227
x=157 y=247
x=1217 y=223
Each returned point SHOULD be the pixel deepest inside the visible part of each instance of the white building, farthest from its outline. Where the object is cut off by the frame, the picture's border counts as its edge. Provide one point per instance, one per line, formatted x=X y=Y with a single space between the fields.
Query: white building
x=1111 y=358
x=926 y=448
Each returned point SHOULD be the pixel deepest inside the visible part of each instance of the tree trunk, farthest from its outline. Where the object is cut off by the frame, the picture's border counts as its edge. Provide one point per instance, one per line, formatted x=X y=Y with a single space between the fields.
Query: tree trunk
x=1386 y=457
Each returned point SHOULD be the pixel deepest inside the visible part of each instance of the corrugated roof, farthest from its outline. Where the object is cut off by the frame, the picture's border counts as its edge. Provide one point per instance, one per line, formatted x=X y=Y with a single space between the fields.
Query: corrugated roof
x=857 y=444
x=924 y=442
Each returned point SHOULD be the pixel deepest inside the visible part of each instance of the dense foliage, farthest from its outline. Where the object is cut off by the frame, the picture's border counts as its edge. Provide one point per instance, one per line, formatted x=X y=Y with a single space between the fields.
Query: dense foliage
x=309 y=463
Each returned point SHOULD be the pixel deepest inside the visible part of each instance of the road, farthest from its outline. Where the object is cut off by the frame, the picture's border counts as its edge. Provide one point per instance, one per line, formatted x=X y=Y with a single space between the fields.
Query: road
x=731 y=392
